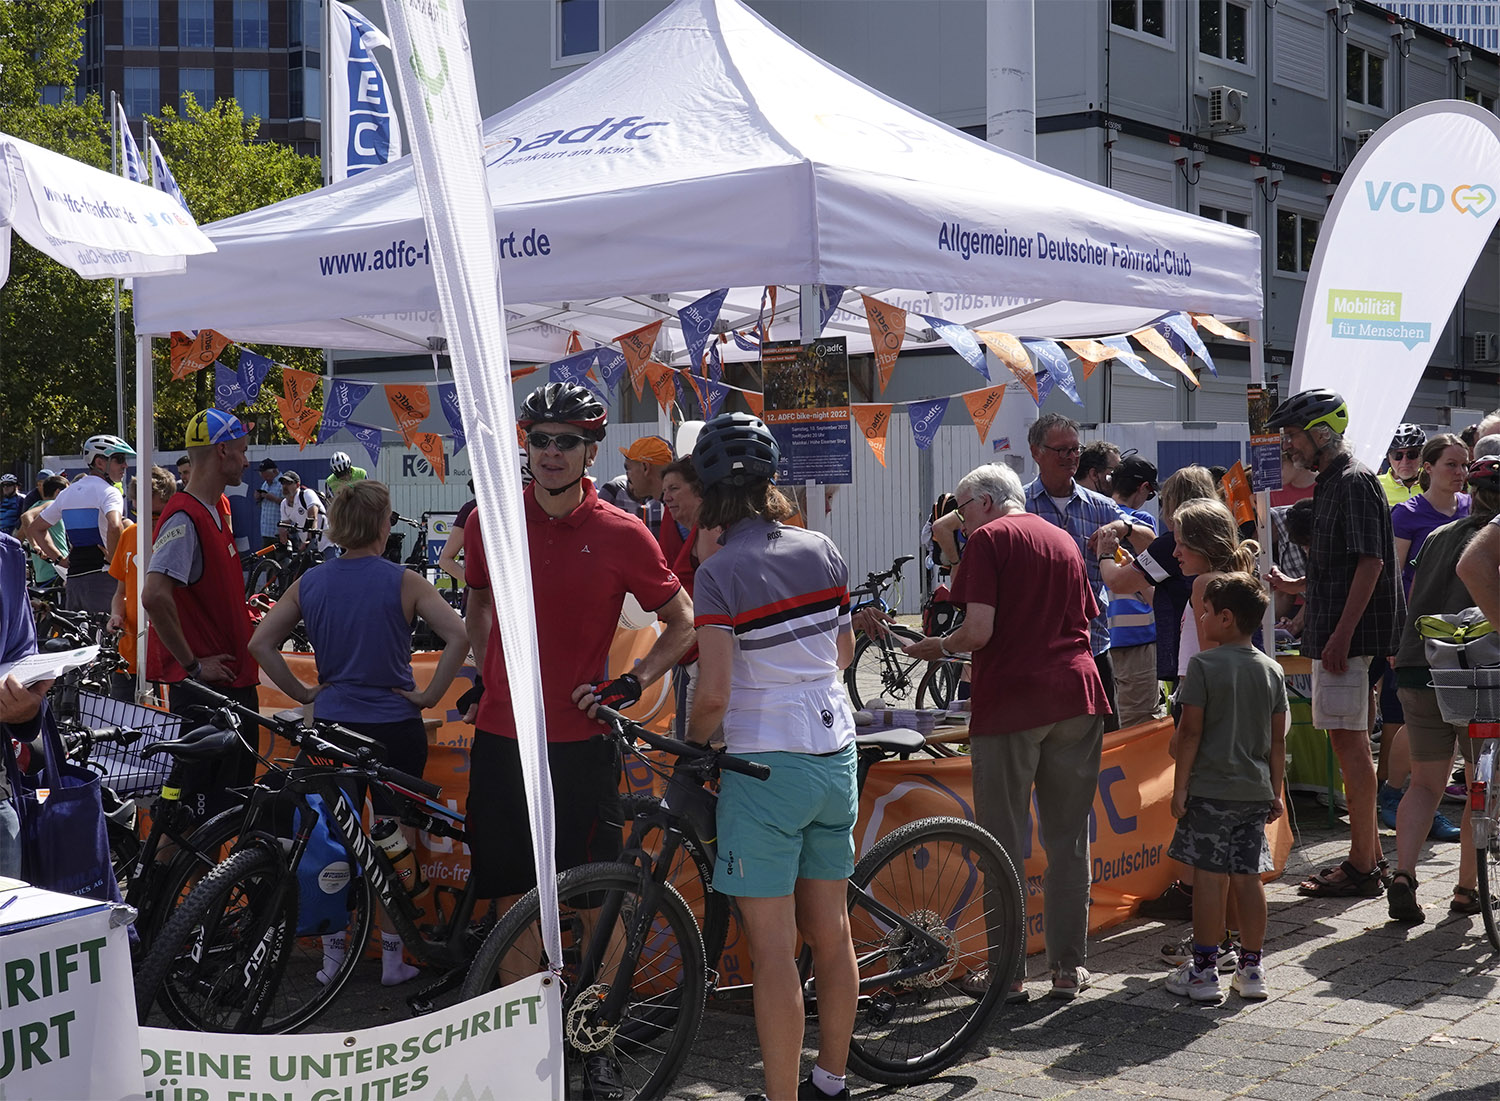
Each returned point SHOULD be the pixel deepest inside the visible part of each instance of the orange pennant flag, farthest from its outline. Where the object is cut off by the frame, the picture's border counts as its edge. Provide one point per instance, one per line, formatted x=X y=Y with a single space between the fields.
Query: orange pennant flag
x=693 y=382
x=875 y=422
x=521 y=372
x=301 y=422
x=298 y=386
x=983 y=405
x=1090 y=353
x=196 y=351
x=1011 y=352
x=430 y=444
x=1218 y=328
x=1241 y=498
x=887 y=332
x=1157 y=345
x=575 y=342
x=662 y=384
x=410 y=406
x=637 y=345
x=757 y=402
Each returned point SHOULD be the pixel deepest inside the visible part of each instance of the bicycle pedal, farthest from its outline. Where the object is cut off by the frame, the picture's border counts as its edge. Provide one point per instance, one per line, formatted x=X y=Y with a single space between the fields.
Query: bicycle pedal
x=424 y=1001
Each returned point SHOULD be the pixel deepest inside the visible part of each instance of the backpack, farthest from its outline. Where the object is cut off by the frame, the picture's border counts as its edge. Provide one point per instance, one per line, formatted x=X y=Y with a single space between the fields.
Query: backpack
x=325 y=875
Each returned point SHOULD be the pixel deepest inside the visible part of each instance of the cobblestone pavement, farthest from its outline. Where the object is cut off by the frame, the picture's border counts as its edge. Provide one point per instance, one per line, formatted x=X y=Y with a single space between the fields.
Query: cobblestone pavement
x=1360 y=1008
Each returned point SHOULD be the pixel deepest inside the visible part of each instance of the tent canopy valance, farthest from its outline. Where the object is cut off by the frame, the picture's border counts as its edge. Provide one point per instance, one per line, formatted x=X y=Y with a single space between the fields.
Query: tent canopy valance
x=620 y=196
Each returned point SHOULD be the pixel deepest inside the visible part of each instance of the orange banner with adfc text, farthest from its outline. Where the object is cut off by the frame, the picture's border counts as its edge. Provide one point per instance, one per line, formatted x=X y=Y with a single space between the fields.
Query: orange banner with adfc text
x=875 y=422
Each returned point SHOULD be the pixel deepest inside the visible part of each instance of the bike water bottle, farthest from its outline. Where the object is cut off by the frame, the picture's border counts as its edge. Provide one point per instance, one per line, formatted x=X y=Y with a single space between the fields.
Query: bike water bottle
x=387 y=834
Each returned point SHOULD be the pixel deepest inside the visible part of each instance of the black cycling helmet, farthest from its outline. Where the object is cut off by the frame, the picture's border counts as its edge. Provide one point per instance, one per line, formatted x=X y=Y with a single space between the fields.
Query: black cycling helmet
x=1484 y=473
x=1310 y=408
x=564 y=403
x=1408 y=435
x=737 y=449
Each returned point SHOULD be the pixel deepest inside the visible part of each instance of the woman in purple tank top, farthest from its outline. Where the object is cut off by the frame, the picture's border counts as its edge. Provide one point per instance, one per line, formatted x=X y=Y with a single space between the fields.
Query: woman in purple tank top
x=358 y=609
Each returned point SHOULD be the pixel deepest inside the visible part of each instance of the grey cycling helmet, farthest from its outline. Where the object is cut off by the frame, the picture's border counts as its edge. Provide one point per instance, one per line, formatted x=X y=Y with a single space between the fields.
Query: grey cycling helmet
x=737 y=449
x=104 y=447
x=1408 y=435
x=564 y=403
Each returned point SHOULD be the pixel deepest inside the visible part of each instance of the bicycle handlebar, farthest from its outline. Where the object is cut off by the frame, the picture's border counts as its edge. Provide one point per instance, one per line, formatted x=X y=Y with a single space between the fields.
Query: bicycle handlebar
x=624 y=727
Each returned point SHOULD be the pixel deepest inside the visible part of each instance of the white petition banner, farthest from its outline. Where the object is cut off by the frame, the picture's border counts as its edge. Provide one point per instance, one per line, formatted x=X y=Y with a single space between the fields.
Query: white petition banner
x=436 y=76
x=1401 y=237
x=490 y=1048
x=361 y=118
x=67 y=1029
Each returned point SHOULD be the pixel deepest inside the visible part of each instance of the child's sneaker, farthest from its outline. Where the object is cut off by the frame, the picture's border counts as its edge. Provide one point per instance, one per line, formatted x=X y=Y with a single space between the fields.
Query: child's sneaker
x=1201 y=986
x=1180 y=952
x=1249 y=982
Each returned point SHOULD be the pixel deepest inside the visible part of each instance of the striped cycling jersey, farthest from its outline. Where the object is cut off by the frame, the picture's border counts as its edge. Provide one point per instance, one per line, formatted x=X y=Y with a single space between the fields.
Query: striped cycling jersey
x=84 y=509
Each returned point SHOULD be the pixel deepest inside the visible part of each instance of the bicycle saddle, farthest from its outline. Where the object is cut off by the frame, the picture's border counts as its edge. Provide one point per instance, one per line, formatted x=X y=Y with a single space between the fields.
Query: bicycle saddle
x=202 y=744
x=903 y=560
x=898 y=739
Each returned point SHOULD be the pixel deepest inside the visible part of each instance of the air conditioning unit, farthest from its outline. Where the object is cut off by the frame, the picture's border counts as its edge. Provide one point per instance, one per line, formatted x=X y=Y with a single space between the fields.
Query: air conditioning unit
x=1225 y=105
x=1362 y=136
x=1485 y=348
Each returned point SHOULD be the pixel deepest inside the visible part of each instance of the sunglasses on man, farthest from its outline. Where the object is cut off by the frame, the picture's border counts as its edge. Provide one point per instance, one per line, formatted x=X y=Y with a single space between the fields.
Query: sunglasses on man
x=565 y=441
x=1407 y=453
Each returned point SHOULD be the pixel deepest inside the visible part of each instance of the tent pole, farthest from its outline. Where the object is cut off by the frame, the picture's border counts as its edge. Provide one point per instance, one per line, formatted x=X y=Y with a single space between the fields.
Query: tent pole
x=807 y=299
x=145 y=441
x=114 y=166
x=1263 y=498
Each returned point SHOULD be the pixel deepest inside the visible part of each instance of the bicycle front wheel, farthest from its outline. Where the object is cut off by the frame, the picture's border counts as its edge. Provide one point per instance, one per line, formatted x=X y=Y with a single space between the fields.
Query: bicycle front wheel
x=939 y=687
x=880 y=670
x=604 y=912
x=690 y=873
x=265 y=578
x=1487 y=843
x=950 y=879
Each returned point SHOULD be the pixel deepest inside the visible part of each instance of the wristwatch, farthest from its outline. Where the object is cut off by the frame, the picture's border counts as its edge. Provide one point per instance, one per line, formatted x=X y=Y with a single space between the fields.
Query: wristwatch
x=193 y=669
x=1129 y=527
x=943 y=646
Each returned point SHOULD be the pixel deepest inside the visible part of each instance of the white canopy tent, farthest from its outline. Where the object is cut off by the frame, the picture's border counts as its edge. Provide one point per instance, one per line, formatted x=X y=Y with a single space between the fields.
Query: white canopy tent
x=709 y=150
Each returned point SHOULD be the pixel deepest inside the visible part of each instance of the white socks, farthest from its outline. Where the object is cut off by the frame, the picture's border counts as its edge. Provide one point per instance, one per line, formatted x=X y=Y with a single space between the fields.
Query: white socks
x=334 y=947
x=394 y=969
x=830 y=1084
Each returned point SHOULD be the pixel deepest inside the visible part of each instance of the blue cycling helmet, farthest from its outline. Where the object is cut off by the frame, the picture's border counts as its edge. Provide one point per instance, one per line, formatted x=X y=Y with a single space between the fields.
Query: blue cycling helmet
x=737 y=449
x=213 y=426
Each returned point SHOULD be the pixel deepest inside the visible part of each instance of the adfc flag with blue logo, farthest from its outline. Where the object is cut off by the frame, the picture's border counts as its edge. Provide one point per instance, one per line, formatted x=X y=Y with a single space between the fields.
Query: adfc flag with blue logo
x=360 y=116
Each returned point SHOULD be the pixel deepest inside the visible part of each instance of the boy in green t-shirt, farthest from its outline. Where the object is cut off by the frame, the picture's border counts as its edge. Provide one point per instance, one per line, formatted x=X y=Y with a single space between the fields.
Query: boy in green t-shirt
x=1231 y=756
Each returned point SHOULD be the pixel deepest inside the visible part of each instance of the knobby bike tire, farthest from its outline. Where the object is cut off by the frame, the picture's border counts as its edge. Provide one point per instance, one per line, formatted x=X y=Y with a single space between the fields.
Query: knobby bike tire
x=939 y=687
x=1487 y=853
x=207 y=846
x=264 y=577
x=691 y=875
x=880 y=670
x=668 y=977
x=952 y=878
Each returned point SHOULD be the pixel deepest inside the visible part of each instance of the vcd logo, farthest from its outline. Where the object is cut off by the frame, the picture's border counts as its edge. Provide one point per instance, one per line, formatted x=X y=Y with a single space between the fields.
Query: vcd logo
x=1429 y=198
x=629 y=128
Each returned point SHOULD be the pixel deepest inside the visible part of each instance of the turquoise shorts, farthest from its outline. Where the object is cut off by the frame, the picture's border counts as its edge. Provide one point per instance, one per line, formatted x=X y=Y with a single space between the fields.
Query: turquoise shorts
x=799 y=824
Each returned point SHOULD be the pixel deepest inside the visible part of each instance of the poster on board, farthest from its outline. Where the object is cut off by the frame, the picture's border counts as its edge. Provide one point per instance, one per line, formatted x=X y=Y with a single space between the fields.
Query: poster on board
x=807 y=409
x=1265 y=443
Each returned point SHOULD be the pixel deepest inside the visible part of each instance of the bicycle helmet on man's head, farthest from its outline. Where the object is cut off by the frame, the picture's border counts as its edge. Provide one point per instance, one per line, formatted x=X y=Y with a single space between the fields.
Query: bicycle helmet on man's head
x=105 y=447
x=564 y=403
x=735 y=448
x=9 y=480
x=1408 y=435
x=1311 y=408
x=210 y=427
x=341 y=463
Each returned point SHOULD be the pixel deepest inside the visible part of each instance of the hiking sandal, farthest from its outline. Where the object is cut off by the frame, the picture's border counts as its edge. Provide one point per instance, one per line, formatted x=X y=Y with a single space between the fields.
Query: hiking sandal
x=1465 y=901
x=1401 y=899
x=1343 y=881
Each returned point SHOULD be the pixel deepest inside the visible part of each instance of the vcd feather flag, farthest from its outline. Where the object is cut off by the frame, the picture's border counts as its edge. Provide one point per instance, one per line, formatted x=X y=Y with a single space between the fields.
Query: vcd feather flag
x=161 y=175
x=132 y=167
x=362 y=119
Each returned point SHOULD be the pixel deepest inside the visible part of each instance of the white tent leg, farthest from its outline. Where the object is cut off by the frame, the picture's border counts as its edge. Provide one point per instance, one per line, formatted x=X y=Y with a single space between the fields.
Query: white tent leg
x=808 y=302
x=1263 y=498
x=145 y=438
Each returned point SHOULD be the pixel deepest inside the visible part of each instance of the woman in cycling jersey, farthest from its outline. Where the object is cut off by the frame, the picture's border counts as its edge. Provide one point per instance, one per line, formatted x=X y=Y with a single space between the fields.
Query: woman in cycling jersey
x=772 y=612
x=359 y=609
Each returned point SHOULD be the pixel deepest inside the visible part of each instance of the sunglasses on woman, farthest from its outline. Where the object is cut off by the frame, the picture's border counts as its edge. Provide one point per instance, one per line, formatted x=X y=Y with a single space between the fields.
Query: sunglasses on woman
x=565 y=441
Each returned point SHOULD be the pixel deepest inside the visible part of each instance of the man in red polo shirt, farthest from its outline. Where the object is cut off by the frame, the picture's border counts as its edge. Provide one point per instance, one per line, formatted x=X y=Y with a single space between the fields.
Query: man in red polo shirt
x=1038 y=701
x=585 y=556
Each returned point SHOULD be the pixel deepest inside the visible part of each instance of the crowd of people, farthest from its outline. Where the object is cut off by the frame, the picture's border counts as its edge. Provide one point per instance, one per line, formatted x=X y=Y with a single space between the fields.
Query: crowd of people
x=1080 y=608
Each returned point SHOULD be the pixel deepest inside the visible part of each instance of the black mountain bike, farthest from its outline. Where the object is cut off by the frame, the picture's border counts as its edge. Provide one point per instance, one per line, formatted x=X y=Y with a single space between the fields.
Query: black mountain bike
x=932 y=902
x=881 y=670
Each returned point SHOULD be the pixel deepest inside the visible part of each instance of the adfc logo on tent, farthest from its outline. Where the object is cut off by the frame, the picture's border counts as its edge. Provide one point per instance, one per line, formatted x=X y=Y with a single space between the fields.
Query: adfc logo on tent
x=600 y=138
x=1406 y=197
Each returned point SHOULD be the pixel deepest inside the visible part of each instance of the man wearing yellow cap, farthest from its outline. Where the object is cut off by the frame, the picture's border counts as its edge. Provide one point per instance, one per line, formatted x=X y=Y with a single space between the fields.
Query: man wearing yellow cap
x=638 y=491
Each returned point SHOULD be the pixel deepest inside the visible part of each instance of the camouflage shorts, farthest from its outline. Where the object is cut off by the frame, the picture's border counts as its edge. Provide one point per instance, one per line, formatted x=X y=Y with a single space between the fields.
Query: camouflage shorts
x=1223 y=836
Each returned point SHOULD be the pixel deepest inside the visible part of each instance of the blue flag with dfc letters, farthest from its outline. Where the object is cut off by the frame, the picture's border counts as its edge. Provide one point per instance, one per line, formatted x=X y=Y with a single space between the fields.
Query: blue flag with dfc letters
x=962 y=341
x=611 y=364
x=1050 y=355
x=697 y=319
x=828 y=301
x=368 y=435
x=714 y=393
x=1129 y=357
x=926 y=417
x=342 y=398
x=253 y=370
x=448 y=400
x=575 y=369
x=227 y=392
x=1045 y=384
x=1183 y=327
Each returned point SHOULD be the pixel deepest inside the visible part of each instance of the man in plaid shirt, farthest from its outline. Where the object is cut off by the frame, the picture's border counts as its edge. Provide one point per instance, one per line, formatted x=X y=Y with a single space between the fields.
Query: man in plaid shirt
x=1352 y=617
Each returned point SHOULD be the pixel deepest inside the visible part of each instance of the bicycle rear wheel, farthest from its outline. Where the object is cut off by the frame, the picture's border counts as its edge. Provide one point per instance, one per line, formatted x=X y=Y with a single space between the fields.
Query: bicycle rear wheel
x=168 y=886
x=264 y=578
x=659 y=1020
x=881 y=671
x=952 y=879
x=939 y=687
x=1487 y=843
x=690 y=874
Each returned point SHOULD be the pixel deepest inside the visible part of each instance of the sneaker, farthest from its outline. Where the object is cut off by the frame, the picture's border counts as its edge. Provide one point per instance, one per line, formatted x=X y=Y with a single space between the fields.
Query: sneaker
x=1457 y=792
x=807 y=1090
x=1068 y=985
x=1180 y=952
x=1388 y=800
x=603 y=1078
x=1250 y=983
x=1173 y=904
x=1444 y=829
x=1201 y=986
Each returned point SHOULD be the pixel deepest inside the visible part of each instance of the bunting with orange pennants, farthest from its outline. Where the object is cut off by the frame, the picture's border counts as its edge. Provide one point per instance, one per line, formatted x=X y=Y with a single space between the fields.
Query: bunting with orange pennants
x=430 y=444
x=300 y=419
x=756 y=401
x=874 y=423
x=410 y=405
x=887 y=334
x=637 y=345
x=1012 y=353
x=1152 y=340
x=1090 y=354
x=194 y=351
x=1218 y=328
x=983 y=405
x=663 y=383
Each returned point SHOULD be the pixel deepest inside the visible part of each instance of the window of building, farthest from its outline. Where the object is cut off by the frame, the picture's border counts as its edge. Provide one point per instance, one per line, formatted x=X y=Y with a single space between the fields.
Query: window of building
x=1364 y=76
x=1296 y=240
x=305 y=24
x=1474 y=95
x=1238 y=218
x=305 y=93
x=252 y=25
x=142 y=94
x=1143 y=16
x=252 y=90
x=577 y=29
x=54 y=94
x=199 y=82
x=1224 y=30
x=142 y=23
x=195 y=24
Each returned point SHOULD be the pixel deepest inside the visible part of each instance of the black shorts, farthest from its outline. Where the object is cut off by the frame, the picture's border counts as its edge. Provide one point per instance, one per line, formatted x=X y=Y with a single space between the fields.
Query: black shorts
x=1223 y=836
x=587 y=815
x=405 y=744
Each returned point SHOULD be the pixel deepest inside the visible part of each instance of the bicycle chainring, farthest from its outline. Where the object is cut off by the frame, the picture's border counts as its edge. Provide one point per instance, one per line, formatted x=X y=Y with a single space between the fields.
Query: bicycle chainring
x=902 y=952
x=582 y=1031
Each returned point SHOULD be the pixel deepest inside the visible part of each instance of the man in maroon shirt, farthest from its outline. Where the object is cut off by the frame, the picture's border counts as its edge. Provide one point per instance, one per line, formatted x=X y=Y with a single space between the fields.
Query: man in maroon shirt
x=1038 y=702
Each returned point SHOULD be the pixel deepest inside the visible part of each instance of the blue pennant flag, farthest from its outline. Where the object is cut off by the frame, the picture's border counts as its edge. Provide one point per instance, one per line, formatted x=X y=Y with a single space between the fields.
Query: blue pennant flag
x=253 y=370
x=926 y=417
x=715 y=364
x=132 y=166
x=161 y=175
x=575 y=369
x=227 y=392
x=697 y=319
x=714 y=392
x=961 y=341
x=368 y=435
x=746 y=344
x=611 y=364
x=1129 y=357
x=1050 y=355
x=1045 y=384
x=341 y=399
x=682 y=392
x=448 y=400
x=828 y=301
x=1183 y=326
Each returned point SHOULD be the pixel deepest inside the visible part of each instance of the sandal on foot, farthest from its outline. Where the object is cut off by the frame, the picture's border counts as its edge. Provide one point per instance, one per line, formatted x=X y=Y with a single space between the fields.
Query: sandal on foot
x=1401 y=900
x=1465 y=901
x=1343 y=881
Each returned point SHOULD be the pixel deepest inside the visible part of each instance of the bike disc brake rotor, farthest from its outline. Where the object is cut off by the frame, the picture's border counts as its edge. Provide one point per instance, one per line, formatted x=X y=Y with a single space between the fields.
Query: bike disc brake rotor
x=582 y=1029
x=902 y=951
